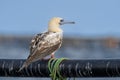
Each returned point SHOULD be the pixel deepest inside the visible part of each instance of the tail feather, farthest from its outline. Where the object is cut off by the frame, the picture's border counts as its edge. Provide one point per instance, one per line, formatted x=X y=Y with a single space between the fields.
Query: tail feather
x=25 y=65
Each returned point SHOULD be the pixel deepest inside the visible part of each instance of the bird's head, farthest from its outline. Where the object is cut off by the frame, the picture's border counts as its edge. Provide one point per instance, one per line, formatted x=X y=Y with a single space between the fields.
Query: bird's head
x=54 y=24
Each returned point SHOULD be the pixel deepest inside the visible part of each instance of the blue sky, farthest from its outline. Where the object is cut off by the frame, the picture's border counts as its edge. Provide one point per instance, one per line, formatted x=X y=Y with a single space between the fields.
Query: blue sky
x=92 y=17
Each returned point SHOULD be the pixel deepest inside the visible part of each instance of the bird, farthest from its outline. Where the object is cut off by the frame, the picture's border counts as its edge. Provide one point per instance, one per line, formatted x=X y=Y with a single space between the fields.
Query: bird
x=46 y=43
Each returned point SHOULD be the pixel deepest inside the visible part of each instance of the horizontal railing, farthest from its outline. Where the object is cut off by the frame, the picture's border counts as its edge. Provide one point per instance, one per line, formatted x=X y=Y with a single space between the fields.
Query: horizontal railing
x=68 y=68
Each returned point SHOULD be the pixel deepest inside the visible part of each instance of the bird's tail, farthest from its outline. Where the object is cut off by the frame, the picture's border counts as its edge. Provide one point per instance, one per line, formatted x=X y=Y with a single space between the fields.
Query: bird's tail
x=25 y=64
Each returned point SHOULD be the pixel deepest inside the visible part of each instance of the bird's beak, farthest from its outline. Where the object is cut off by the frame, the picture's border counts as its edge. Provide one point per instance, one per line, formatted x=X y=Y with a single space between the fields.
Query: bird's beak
x=66 y=22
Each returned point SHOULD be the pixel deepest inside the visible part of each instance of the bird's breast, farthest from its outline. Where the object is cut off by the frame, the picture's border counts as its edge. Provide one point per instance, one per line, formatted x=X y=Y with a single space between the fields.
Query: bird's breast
x=53 y=38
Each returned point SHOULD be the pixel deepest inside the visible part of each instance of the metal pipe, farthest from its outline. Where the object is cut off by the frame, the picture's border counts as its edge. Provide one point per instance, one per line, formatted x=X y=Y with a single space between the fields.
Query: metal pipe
x=68 y=68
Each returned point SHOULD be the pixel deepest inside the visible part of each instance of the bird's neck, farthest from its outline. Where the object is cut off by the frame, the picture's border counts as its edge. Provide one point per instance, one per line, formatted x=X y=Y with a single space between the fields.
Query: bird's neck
x=54 y=29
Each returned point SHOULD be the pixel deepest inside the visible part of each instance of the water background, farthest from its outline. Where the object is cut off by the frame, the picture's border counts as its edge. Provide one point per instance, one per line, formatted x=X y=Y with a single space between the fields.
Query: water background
x=73 y=48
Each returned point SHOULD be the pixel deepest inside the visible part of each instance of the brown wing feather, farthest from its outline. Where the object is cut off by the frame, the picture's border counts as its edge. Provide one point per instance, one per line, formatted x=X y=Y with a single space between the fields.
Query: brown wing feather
x=44 y=51
x=34 y=42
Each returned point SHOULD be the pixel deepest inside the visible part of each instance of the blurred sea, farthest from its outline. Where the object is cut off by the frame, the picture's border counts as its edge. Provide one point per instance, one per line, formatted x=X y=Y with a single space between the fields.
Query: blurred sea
x=12 y=47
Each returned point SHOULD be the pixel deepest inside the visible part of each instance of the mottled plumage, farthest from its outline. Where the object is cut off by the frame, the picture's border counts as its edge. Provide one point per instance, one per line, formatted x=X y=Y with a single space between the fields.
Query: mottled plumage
x=46 y=43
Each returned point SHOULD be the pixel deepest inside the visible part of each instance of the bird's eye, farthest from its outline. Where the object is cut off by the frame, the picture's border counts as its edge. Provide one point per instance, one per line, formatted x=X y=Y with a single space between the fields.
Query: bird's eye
x=61 y=20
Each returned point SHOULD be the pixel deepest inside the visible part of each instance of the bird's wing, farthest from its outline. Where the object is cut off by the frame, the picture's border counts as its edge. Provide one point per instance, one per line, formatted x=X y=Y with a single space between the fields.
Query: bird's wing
x=34 y=42
x=44 y=44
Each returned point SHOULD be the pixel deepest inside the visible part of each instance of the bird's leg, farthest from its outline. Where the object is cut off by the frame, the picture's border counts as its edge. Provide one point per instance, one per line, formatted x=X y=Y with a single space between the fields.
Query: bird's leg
x=52 y=55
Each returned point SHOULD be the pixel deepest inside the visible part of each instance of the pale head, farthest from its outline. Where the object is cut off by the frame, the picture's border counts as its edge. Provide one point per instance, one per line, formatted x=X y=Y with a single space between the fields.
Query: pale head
x=54 y=24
